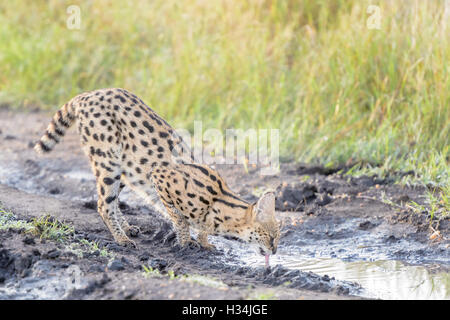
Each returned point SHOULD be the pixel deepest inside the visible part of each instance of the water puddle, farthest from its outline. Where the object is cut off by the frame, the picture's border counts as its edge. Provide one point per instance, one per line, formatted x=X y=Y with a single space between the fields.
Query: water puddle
x=383 y=279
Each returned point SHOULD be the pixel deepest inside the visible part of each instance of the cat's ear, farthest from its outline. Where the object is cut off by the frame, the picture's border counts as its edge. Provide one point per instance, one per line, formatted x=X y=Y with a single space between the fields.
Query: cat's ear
x=265 y=207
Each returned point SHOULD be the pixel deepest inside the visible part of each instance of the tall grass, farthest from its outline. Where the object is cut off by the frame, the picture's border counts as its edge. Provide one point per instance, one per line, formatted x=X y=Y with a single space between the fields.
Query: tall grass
x=339 y=91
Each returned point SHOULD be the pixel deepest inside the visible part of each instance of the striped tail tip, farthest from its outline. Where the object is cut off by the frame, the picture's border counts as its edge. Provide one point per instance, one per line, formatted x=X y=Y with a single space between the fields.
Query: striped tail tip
x=41 y=148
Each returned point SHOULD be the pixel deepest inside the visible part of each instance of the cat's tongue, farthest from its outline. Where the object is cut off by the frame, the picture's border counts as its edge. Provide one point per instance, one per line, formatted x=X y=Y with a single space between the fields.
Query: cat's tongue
x=267 y=260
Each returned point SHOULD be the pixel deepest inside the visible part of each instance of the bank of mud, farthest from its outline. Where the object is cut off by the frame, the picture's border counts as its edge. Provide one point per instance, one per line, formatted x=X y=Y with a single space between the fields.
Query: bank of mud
x=326 y=214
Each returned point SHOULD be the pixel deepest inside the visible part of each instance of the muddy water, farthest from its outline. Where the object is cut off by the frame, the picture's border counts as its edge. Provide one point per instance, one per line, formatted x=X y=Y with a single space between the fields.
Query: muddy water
x=379 y=279
x=383 y=279
x=366 y=258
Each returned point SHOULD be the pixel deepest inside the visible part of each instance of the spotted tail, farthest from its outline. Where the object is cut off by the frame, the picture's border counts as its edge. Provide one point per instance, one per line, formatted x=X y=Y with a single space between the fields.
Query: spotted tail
x=61 y=121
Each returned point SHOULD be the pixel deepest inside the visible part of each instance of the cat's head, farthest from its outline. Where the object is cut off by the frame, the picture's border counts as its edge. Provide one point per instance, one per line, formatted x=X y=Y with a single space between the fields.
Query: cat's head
x=265 y=229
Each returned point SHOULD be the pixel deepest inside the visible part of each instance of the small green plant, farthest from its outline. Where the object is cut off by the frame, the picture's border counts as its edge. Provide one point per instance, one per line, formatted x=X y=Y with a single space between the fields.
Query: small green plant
x=172 y=275
x=9 y=221
x=84 y=245
x=304 y=178
x=445 y=200
x=263 y=296
x=150 y=272
x=437 y=204
x=47 y=227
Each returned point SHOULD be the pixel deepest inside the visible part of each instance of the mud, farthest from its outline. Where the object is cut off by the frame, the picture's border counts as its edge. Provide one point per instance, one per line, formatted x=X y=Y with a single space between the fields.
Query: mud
x=326 y=215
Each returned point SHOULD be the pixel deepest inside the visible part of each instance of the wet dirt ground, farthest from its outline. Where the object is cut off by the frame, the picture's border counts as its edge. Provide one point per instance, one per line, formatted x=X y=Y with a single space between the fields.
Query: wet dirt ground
x=342 y=238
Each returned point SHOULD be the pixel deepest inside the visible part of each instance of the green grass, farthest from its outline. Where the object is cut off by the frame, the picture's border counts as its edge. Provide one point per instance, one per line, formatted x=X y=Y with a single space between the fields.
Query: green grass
x=9 y=221
x=86 y=246
x=338 y=91
x=47 y=227
x=150 y=272
x=437 y=203
x=265 y=295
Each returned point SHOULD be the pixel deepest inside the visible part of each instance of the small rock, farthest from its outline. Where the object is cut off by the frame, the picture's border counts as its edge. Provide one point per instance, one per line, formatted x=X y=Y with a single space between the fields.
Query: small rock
x=113 y=247
x=55 y=191
x=53 y=254
x=366 y=225
x=402 y=198
x=391 y=239
x=324 y=199
x=144 y=256
x=96 y=268
x=116 y=265
x=125 y=261
x=278 y=270
x=157 y=263
x=28 y=240
x=90 y=205
x=240 y=271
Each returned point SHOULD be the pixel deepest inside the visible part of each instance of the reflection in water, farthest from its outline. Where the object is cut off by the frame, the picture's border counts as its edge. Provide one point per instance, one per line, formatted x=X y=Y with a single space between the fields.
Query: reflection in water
x=387 y=279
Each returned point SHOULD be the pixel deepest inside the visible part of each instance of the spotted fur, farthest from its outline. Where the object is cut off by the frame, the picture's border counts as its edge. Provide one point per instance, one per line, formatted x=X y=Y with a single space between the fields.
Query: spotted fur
x=128 y=144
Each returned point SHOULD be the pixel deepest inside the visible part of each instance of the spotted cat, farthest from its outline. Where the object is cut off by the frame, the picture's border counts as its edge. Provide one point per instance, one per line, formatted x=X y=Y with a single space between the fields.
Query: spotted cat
x=128 y=144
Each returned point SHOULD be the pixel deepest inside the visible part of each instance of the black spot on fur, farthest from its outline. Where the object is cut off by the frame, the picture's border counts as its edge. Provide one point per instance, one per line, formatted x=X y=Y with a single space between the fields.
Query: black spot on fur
x=110 y=199
x=108 y=181
x=148 y=126
x=198 y=183
x=203 y=200
x=211 y=190
x=118 y=96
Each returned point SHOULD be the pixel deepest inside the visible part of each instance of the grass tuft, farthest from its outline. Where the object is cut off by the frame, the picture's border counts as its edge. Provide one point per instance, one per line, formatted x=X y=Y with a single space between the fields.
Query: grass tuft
x=9 y=221
x=47 y=227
